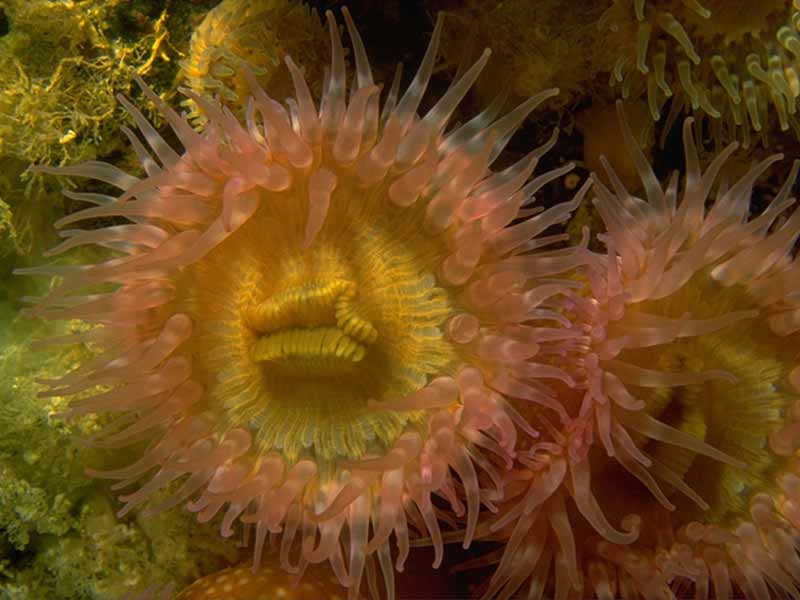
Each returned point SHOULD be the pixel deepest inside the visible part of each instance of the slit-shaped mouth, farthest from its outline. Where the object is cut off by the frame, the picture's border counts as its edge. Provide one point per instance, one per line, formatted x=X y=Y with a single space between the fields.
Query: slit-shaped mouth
x=311 y=329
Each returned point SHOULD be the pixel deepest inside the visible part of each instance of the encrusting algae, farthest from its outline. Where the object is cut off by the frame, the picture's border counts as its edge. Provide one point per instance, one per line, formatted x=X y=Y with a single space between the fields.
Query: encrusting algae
x=60 y=66
x=60 y=536
x=321 y=320
x=531 y=49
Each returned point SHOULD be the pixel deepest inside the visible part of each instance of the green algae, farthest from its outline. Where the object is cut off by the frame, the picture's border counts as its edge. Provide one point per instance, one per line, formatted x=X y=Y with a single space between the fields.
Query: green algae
x=59 y=536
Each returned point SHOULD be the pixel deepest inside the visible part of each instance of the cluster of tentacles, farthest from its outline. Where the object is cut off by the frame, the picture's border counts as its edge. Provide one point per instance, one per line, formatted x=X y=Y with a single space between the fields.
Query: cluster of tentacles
x=731 y=62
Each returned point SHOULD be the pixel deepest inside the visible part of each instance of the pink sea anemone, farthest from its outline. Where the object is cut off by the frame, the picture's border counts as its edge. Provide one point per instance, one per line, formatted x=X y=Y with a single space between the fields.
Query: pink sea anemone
x=676 y=413
x=316 y=317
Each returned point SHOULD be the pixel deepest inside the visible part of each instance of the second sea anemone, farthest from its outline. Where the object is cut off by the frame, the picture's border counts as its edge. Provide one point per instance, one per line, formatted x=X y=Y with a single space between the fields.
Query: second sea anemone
x=667 y=463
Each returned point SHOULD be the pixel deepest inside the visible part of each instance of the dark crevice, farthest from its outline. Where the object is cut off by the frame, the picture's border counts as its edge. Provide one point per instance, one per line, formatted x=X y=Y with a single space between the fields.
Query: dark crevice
x=5 y=26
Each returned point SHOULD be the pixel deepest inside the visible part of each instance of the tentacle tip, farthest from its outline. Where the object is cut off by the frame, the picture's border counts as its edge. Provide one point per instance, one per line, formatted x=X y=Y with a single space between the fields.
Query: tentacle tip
x=315 y=517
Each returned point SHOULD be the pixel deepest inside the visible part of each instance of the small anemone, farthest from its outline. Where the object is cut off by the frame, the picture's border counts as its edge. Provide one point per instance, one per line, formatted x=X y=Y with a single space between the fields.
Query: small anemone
x=247 y=34
x=735 y=63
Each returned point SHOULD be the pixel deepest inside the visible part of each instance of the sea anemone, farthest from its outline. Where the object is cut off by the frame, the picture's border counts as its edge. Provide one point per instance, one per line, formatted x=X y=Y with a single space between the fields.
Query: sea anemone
x=677 y=403
x=316 y=318
x=247 y=34
x=734 y=62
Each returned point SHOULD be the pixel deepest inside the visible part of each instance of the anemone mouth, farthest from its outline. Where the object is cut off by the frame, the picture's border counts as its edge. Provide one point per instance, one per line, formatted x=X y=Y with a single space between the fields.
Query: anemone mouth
x=734 y=416
x=304 y=336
